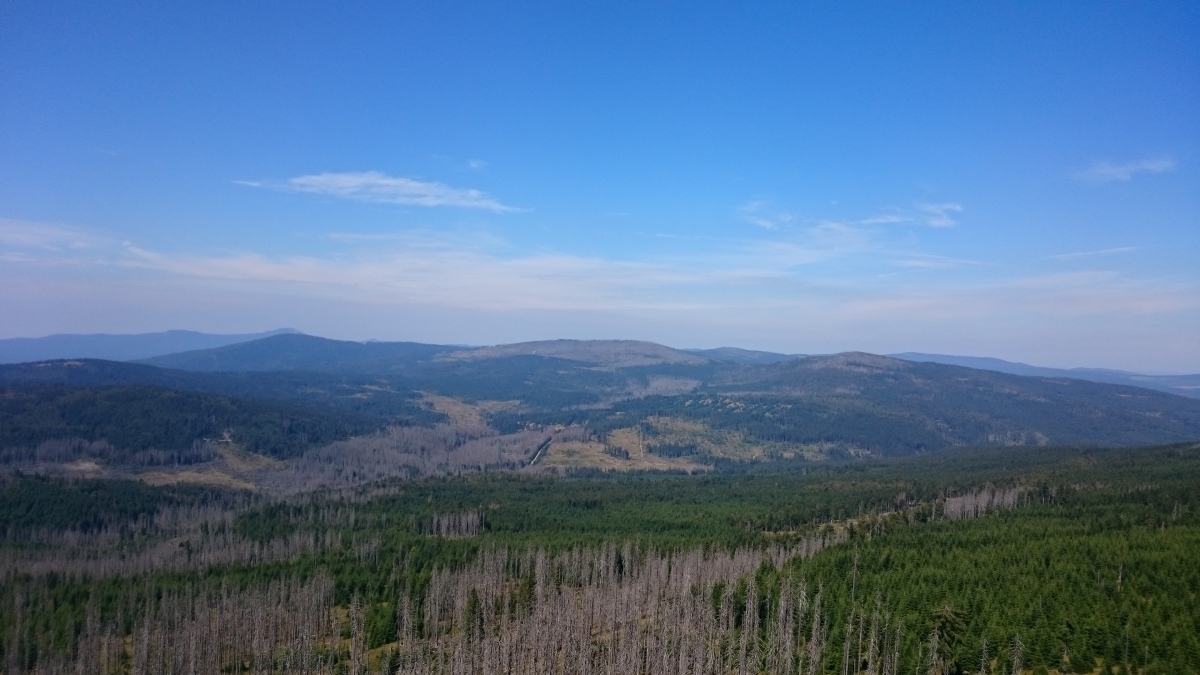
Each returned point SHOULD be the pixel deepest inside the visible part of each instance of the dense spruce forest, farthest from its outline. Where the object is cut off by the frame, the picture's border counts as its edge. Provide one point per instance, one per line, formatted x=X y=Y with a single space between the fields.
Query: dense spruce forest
x=1003 y=560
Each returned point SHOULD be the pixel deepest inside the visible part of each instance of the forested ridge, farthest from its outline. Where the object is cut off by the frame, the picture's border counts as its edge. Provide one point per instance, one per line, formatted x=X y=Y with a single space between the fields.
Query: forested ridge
x=136 y=419
x=1062 y=559
x=360 y=394
x=711 y=414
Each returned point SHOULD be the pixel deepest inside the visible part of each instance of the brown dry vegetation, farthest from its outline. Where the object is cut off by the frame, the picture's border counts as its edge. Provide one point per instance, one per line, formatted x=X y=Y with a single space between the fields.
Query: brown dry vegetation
x=471 y=415
x=207 y=477
x=592 y=455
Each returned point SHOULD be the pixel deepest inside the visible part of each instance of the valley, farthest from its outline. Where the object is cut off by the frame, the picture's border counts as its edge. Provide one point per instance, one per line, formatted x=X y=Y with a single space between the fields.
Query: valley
x=380 y=410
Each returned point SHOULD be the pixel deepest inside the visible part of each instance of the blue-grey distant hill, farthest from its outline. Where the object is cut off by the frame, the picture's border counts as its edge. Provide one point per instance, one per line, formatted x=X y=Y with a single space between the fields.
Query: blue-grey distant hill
x=1184 y=385
x=840 y=405
x=119 y=347
x=297 y=351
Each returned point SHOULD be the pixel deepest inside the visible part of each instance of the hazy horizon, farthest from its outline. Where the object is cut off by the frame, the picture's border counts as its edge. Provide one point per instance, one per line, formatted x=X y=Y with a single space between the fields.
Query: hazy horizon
x=263 y=333
x=1016 y=181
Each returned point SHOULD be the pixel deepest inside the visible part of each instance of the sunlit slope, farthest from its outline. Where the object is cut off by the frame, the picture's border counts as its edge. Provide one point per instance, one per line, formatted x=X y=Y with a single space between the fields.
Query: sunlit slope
x=866 y=404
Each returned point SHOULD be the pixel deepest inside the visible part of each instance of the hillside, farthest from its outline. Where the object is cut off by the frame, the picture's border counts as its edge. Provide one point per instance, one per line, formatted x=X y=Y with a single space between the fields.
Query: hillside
x=152 y=425
x=302 y=352
x=860 y=404
x=348 y=393
x=618 y=405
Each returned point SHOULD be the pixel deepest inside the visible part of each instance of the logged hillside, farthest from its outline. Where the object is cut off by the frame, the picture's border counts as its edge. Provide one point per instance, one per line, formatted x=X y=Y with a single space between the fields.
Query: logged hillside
x=864 y=404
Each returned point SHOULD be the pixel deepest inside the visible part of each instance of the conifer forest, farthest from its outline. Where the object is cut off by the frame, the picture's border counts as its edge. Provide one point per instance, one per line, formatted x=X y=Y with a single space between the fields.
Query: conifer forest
x=1014 y=560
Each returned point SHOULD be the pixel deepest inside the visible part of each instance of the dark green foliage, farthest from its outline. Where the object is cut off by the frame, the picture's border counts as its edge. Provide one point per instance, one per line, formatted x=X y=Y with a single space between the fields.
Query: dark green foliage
x=358 y=394
x=34 y=504
x=1100 y=552
x=734 y=510
x=1048 y=572
x=134 y=419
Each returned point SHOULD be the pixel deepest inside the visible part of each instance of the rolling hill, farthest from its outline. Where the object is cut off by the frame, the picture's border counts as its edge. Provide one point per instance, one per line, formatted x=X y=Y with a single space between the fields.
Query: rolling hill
x=854 y=404
x=626 y=399
x=303 y=352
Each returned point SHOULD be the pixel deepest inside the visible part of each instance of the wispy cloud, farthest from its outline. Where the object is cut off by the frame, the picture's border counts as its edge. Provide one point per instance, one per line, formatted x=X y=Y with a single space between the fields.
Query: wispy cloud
x=817 y=286
x=433 y=272
x=25 y=234
x=476 y=164
x=374 y=186
x=759 y=212
x=751 y=284
x=1107 y=172
x=939 y=215
x=886 y=219
x=926 y=261
x=1087 y=254
x=841 y=237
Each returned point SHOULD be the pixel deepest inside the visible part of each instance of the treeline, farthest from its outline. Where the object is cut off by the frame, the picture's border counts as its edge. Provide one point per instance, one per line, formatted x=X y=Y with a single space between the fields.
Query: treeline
x=31 y=504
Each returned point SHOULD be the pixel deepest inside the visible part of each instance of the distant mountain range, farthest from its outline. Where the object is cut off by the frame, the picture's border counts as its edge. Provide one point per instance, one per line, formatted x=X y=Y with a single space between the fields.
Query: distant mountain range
x=685 y=407
x=118 y=347
x=1184 y=385
x=190 y=350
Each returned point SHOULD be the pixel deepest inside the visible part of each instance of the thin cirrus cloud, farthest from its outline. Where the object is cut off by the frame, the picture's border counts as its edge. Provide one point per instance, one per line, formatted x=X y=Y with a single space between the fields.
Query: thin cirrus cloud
x=1089 y=254
x=758 y=212
x=448 y=275
x=745 y=282
x=934 y=262
x=1107 y=172
x=375 y=186
x=940 y=215
x=807 y=284
x=19 y=233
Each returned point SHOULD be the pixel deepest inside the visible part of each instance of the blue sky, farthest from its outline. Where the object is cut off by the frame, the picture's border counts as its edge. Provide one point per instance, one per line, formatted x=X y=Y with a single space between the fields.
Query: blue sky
x=1008 y=179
